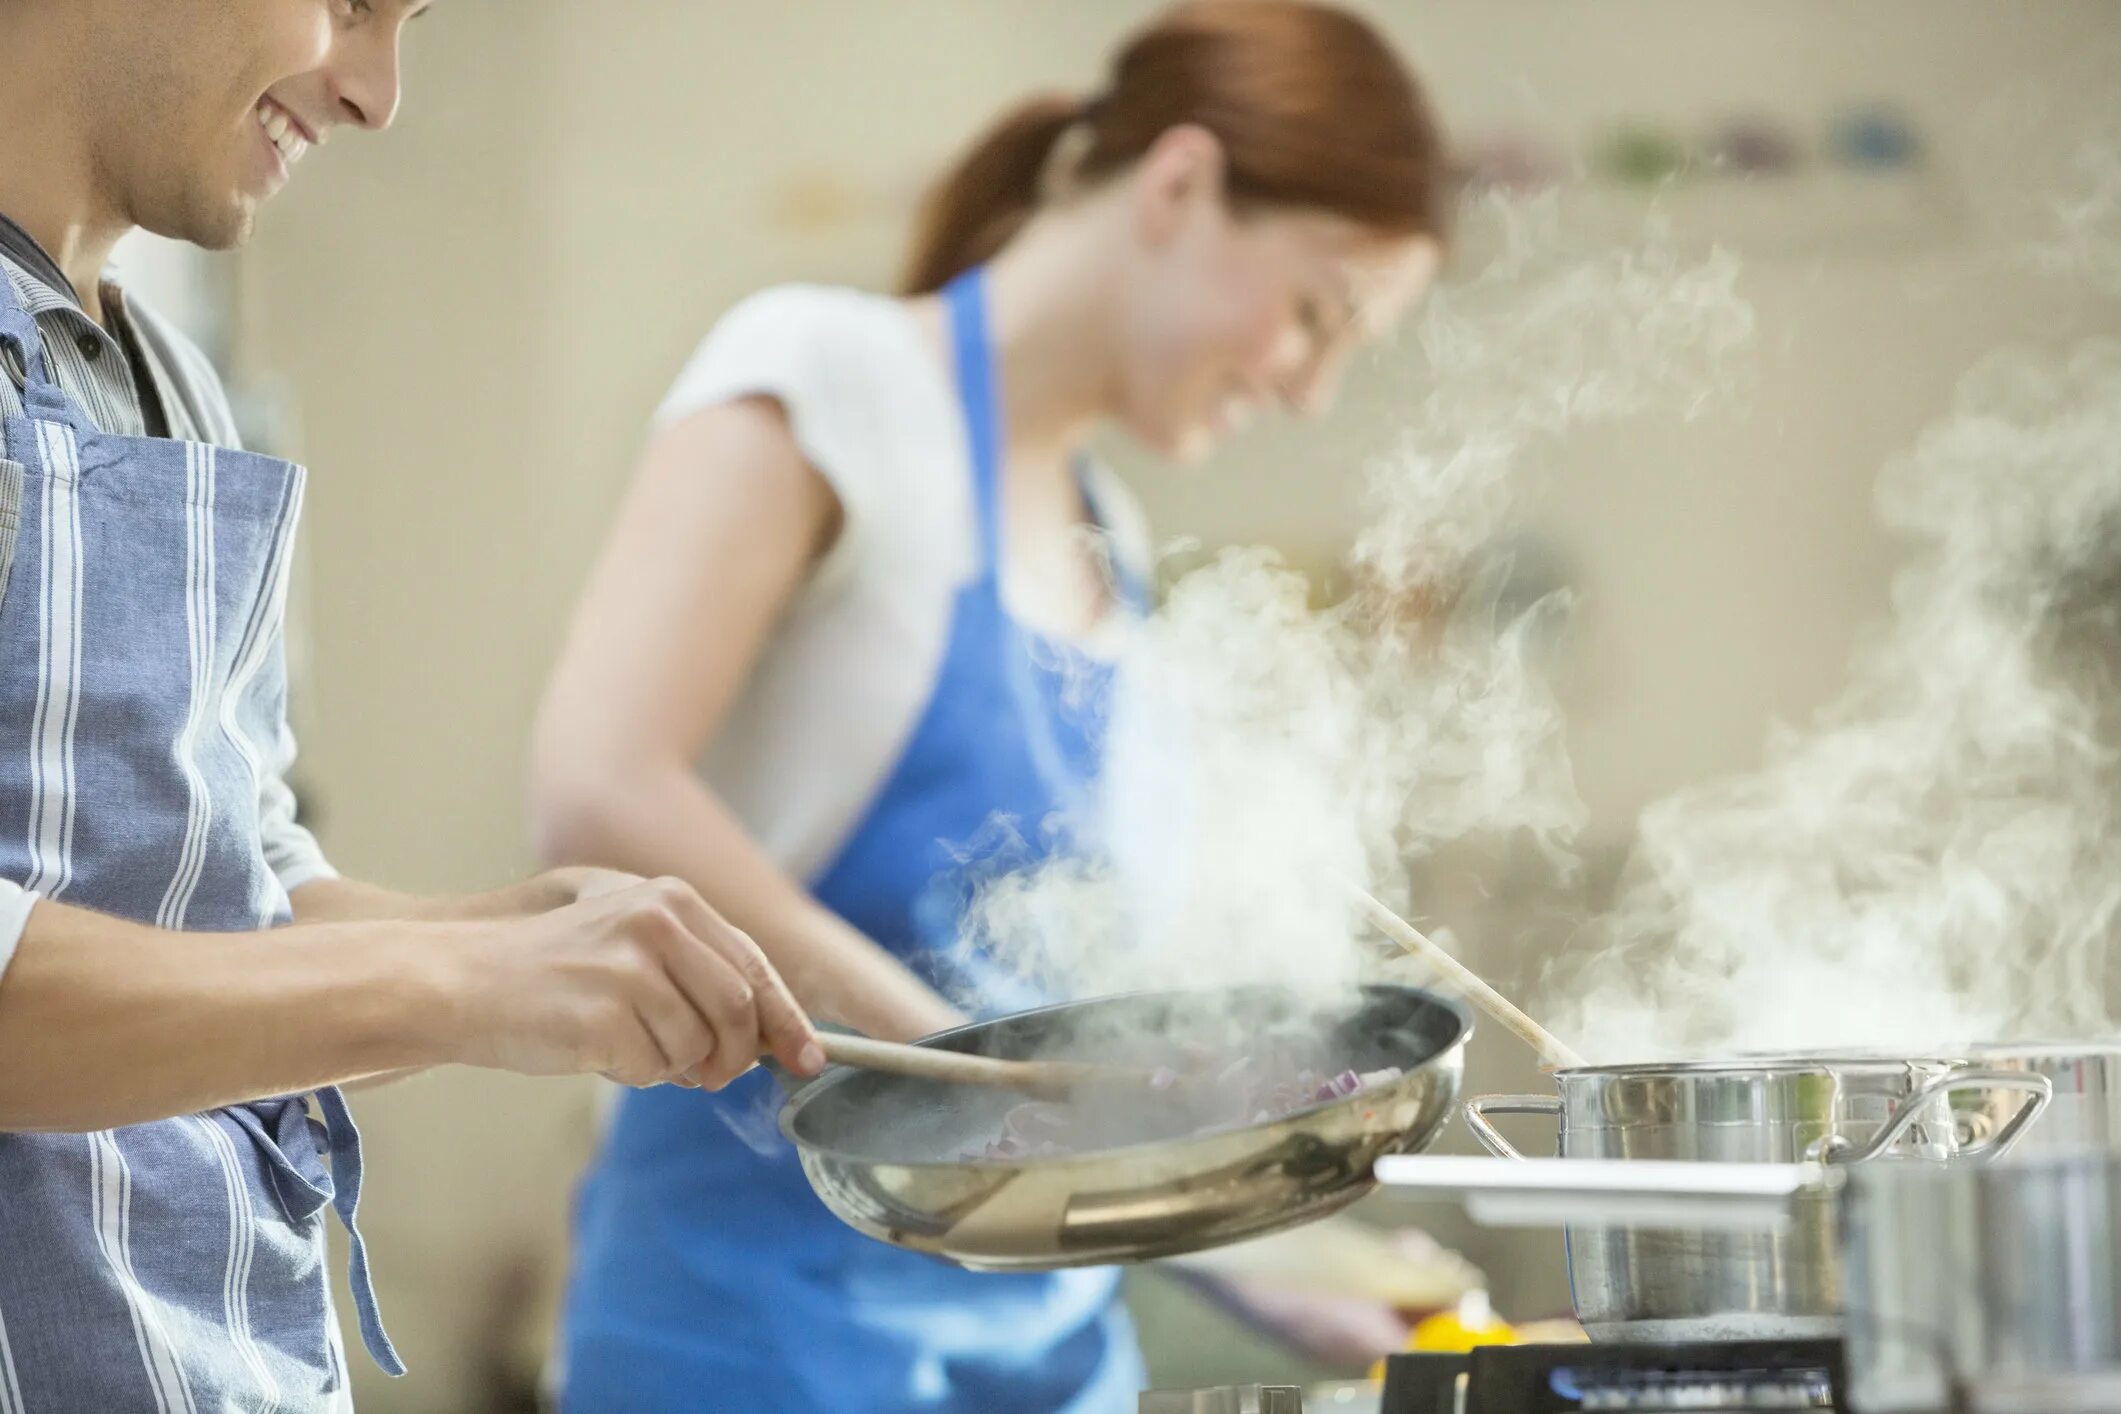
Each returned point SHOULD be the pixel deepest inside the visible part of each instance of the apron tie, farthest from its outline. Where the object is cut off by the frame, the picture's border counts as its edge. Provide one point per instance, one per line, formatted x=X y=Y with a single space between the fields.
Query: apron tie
x=298 y=1144
x=343 y=1139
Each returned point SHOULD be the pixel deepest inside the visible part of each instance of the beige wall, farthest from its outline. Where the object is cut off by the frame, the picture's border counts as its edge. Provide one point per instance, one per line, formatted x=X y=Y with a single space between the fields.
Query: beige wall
x=478 y=312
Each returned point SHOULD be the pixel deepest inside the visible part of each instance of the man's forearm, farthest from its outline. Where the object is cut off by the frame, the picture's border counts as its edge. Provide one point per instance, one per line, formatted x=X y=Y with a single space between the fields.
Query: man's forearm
x=350 y=901
x=105 y=1022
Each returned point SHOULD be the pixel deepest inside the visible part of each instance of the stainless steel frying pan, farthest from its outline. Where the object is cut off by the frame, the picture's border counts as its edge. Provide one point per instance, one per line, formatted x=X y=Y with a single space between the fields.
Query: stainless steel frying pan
x=901 y=1159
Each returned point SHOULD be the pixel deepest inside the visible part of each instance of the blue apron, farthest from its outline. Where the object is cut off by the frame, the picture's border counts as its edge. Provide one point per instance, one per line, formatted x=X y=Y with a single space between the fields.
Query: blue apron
x=708 y=1275
x=175 y=1267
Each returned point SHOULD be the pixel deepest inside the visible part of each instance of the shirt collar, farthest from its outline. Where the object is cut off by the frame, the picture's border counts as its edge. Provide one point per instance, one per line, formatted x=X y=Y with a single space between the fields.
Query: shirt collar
x=46 y=288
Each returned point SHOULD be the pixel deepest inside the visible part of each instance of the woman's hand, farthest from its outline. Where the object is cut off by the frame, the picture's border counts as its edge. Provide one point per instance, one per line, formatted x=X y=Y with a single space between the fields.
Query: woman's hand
x=1351 y=1332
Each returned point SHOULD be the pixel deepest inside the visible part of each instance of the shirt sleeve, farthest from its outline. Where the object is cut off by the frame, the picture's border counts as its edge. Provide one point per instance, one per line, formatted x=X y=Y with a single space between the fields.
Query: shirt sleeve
x=803 y=346
x=15 y=905
x=291 y=850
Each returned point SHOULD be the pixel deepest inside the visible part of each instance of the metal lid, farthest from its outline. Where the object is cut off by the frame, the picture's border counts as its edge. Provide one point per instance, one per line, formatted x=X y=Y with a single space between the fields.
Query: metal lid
x=1765 y=1064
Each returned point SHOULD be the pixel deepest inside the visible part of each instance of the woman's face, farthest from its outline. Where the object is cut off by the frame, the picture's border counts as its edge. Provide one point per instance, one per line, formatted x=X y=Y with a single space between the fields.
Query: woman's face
x=1229 y=314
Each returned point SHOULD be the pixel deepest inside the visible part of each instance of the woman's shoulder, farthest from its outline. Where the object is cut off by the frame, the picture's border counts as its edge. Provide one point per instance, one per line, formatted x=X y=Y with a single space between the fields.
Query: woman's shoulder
x=805 y=341
x=797 y=308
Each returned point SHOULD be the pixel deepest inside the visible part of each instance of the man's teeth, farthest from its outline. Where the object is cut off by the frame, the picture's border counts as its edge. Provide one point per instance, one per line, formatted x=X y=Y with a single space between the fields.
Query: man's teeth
x=284 y=134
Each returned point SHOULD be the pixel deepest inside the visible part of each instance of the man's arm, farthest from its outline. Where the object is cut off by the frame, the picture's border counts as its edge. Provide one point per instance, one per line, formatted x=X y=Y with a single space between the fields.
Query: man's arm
x=105 y=1022
x=334 y=899
x=339 y=900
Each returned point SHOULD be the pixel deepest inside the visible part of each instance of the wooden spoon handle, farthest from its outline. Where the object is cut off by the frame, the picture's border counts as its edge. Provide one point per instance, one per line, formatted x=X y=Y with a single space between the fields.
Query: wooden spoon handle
x=1494 y=1003
x=1054 y=1078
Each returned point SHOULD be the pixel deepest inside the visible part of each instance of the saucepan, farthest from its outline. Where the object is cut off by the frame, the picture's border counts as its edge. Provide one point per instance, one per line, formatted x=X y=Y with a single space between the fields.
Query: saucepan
x=912 y=1162
x=2085 y=1114
x=1987 y=1285
x=1635 y=1282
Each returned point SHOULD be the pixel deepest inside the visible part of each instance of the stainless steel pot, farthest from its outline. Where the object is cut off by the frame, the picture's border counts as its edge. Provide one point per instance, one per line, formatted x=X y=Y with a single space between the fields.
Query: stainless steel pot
x=896 y=1157
x=1638 y=1283
x=1988 y=1288
x=2085 y=1114
x=1969 y=1285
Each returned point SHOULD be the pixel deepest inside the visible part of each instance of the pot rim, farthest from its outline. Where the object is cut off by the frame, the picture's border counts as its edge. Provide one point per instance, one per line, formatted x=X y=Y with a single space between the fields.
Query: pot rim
x=1767 y=1066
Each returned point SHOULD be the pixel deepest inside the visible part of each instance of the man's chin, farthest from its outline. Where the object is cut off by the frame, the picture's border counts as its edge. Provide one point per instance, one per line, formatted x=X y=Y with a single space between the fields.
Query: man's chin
x=224 y=227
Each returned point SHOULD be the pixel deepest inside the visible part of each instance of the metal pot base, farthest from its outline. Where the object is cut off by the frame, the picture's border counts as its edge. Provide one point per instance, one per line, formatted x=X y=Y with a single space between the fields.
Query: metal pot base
x=1736 y=1326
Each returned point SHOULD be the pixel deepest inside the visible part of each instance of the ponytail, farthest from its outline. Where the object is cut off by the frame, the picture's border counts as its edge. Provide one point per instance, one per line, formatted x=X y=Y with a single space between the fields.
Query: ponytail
x=989 y=194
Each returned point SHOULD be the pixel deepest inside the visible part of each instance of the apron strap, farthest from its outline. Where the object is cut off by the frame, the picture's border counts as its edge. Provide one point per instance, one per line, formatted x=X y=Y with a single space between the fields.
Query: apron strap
x=22 y=351
x=979 y=396
x=978 y=393
x=344 y=1141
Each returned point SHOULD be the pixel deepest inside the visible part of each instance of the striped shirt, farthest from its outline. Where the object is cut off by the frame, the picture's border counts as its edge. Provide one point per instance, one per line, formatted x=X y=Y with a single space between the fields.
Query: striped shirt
x=183 y=399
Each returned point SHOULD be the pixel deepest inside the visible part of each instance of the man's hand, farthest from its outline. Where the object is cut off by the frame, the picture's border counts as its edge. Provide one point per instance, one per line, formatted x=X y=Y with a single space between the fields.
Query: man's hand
x=583 y=882
x=348 y=901
x=643 y=983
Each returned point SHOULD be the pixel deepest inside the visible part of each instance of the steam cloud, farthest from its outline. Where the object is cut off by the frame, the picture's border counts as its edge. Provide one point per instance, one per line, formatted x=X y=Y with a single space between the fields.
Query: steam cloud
x=1935 y=858
x=1263 y=751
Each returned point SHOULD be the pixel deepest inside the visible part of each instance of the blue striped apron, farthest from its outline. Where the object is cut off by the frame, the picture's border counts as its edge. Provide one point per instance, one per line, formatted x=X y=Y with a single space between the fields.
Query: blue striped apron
x=704 y=1263
x=177 y=1267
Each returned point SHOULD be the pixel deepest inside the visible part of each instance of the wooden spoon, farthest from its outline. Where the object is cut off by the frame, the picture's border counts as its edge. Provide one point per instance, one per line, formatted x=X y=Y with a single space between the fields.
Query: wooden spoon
x=1549 y=1046
x=1048 y=1079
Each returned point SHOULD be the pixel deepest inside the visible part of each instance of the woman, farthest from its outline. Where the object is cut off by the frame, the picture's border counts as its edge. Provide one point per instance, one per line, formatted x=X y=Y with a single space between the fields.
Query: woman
x=825 y=648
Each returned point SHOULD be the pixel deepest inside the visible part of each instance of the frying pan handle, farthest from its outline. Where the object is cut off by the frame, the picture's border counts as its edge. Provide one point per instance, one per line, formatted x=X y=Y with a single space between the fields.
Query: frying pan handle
x=1835 y=1150
x=1479 y=1108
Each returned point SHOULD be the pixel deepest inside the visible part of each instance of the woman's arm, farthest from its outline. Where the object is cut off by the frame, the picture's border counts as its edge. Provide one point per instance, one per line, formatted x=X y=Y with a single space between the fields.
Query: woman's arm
x=722 y=527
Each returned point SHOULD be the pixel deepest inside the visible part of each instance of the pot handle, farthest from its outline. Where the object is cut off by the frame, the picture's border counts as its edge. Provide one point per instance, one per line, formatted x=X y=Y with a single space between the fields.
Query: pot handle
x=1478 y=1109
x=1835 y=1150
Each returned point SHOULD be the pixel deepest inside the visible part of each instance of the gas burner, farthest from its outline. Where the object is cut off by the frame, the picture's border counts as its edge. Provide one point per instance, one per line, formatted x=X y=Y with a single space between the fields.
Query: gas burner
x=1749 y=1378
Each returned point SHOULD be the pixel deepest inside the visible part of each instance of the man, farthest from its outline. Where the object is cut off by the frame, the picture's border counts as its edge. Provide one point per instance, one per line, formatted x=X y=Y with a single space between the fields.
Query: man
x=173 y=945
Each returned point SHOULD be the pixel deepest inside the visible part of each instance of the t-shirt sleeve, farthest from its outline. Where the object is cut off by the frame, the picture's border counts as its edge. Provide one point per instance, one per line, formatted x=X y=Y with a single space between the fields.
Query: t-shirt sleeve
x=802 y=347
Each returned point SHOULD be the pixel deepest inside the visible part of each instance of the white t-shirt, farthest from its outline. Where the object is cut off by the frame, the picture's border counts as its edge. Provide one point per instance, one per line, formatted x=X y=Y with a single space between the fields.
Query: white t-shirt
x=844 y=681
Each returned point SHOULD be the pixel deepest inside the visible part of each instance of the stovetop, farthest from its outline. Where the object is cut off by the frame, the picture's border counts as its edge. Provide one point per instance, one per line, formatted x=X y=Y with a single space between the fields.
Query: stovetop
x=1748 y=1378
